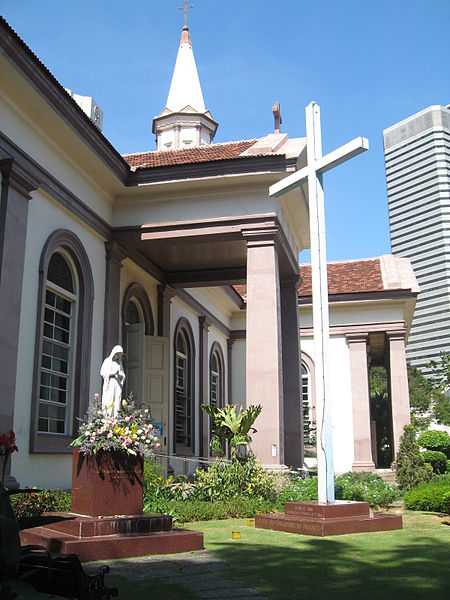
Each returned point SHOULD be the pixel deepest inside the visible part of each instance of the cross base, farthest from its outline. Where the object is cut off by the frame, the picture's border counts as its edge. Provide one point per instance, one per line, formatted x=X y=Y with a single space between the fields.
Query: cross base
x=333 y=518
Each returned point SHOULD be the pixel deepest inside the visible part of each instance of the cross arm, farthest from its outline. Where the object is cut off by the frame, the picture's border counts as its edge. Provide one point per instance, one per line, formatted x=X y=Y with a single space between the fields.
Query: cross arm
x=323 y=164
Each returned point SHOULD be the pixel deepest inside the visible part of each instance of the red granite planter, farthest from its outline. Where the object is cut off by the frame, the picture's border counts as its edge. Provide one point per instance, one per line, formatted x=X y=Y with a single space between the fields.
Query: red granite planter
x=106 y=484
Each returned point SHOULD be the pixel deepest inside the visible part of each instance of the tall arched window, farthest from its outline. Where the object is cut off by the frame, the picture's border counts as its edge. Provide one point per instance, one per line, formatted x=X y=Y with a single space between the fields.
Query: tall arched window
x=216 y=377
x=61 y=381
x=184 y=389
x=58 y=346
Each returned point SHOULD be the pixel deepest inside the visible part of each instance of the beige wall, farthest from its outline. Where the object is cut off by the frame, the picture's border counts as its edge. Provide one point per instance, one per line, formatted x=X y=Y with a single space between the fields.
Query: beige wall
x=44 y=218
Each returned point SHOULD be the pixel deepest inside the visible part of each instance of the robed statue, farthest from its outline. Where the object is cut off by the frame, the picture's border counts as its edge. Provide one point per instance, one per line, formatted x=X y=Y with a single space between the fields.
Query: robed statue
x=113 y=380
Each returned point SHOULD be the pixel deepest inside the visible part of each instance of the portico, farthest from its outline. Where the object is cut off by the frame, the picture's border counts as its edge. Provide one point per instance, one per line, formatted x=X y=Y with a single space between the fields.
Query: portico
x=251 y=249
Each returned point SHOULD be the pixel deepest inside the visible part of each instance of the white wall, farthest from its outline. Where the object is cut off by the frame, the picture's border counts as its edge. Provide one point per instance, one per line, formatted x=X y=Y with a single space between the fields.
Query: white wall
x=44 y=218
x=341 y=399
x=132 y=273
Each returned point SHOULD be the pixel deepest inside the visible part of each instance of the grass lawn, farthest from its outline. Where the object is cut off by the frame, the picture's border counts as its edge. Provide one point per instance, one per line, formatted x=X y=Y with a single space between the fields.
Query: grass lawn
x=409 y=564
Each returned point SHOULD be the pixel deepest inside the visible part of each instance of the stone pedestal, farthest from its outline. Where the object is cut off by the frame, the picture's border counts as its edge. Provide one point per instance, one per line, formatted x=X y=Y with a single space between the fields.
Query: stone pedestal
x=106 y=484
x=106 y=520
x=322 y=519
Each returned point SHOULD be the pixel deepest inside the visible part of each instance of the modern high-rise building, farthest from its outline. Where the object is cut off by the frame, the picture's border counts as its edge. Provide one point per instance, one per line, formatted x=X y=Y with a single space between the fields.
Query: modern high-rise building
x=417 y=159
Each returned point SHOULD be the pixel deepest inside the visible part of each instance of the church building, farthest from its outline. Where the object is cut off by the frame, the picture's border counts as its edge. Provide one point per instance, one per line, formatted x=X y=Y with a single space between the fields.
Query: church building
x=180 y=255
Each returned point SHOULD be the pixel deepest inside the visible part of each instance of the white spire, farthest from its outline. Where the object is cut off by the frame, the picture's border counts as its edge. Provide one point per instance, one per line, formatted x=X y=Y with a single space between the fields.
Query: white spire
x=185 y=121
x=185 y=89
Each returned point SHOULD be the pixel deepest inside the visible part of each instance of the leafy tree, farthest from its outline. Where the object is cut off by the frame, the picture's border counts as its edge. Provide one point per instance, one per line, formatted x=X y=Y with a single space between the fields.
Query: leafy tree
x=411 y=469
x=430 y=396
x=421 y=393
x=232 y=426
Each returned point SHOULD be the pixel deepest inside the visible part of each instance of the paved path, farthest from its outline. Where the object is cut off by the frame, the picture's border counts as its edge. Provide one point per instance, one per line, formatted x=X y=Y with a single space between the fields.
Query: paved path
x=200 y=572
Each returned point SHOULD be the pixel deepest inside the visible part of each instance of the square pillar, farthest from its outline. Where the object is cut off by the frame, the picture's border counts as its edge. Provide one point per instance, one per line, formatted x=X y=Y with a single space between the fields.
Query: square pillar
x=111 y=335
x=264 y=369
x=400 y=408
x=16 y=187
x=362 y=458
x=293 y=413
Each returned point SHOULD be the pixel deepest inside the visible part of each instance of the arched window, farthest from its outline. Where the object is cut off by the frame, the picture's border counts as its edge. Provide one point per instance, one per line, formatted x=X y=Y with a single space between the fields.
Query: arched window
x=184 y=388
x=63 y=343
x=58 y=346
x=216 y=377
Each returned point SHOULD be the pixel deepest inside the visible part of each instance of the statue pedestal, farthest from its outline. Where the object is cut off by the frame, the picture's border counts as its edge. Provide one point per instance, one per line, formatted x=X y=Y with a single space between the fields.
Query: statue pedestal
x=107 y=520
x=322 y=519
x=107 y=484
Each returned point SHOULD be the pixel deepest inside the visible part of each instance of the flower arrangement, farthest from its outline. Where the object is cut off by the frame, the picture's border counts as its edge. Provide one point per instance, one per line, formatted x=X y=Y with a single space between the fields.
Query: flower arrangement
x=131 y=431
x=7 y=447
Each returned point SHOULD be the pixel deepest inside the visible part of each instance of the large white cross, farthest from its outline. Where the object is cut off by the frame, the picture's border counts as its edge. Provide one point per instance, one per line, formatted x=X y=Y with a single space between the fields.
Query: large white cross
x=312 y=173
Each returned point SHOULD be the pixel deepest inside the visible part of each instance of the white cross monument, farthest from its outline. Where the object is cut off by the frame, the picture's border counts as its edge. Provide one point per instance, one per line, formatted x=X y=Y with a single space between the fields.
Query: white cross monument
x=312 y=175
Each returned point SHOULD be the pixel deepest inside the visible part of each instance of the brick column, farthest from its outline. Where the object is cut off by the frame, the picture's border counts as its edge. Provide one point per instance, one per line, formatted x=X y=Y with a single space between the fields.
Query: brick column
x=16 y=187
x=264 y=369
x=293 y=414
x=399 y=385
x=362 y=458
x=111 y=335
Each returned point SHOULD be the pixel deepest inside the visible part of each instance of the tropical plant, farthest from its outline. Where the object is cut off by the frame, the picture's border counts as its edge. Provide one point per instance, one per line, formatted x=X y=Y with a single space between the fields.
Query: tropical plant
x=411 y=469
x=231 y=425
x=130 y=432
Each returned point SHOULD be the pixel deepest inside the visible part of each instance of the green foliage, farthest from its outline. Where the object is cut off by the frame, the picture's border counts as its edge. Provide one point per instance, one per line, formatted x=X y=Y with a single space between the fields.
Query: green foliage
x=232 y=426
x=438 y=460
x=411 y=469
x=297 y=489
x=222 y=481
x=448 y=466
x=33 y=504
x=435 y=440
x=202 y=510
x=440 y=379
x=421 y=393
x=365 y=487
x=381 y=412
x=432 y=496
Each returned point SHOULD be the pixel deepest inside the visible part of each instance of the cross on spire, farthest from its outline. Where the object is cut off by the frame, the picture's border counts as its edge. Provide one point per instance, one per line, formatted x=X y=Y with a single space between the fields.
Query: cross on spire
x=185 y=8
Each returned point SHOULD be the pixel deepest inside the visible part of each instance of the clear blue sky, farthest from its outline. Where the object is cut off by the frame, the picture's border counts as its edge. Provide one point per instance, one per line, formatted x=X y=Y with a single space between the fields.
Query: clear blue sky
x=369 y=63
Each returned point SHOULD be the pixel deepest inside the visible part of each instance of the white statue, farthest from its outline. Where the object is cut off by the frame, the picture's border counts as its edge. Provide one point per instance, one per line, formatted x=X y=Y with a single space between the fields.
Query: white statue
x=113 y=380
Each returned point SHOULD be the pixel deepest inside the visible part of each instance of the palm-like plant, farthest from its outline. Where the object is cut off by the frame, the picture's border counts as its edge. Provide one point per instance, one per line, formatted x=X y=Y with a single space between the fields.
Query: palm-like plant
x=231 y=425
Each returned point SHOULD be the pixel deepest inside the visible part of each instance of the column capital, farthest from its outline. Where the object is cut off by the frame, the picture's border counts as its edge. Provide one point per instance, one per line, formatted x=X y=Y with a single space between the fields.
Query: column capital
x=114 y=252
x=399 y=334
x=166 y=292
x=237 y=334
x=269 y=236
x=356 y=338
x=204 y=322
x=18 y=178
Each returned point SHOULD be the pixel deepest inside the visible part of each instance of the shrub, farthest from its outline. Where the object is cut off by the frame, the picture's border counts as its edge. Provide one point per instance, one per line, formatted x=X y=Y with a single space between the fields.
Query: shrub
x=203 y=510
x=365 y=487
x=297 y=489
x=448 y=466
x=432 y=496
x=411 y=469
x=438 y=460
x=33 y=504
x=222 y=481
x=435 y=440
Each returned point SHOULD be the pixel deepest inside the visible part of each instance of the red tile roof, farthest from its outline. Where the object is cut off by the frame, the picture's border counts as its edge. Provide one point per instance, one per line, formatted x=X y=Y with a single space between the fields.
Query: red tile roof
x=352 y=277
x=199 y=154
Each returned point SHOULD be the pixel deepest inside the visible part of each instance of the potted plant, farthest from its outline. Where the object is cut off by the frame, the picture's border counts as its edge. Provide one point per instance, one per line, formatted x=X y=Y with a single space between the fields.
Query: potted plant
x=7 y=447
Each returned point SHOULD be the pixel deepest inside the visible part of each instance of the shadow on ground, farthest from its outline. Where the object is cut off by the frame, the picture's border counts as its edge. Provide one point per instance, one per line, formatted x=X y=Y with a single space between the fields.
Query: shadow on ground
x=322 y=569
